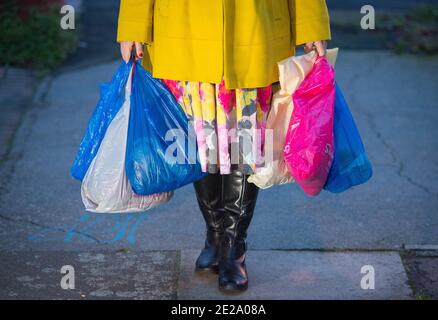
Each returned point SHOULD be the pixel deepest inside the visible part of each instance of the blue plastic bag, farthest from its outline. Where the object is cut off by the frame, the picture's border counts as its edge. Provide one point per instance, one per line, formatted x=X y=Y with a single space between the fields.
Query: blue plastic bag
x=161 y=152
x=112 y=96
x=351 y=165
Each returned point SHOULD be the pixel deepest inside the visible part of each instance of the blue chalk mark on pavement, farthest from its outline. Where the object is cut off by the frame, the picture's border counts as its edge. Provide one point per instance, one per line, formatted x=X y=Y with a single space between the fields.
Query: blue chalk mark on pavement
x=93 y=227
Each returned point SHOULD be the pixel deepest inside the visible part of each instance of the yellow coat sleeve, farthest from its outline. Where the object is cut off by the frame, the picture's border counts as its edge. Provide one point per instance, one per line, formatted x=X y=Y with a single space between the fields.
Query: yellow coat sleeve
x=135 y=20
x=310 y=20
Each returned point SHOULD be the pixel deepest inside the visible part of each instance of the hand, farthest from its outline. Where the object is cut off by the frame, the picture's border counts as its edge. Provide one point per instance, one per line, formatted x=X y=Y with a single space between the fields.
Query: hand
x=318 y=46
x=126 y=48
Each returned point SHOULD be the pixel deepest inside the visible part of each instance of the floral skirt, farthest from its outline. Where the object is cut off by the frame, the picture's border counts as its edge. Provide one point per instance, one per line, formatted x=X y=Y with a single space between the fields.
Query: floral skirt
x=229 y=124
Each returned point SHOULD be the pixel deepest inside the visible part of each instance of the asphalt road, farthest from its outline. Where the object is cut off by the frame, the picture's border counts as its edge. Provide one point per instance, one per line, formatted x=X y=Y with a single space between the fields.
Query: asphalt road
x=41 y=206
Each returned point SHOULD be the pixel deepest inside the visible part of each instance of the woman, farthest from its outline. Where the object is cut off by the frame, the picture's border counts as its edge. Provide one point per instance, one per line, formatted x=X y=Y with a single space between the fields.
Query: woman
x=219 y=58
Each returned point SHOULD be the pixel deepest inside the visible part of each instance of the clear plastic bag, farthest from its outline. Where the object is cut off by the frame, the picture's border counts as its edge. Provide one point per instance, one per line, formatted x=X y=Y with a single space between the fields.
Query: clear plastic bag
x=161 y=153
x=351 y=165
x=309 y=144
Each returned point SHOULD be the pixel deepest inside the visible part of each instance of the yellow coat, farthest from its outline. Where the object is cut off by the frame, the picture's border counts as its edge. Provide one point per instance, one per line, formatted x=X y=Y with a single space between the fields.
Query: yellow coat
x=207 y=40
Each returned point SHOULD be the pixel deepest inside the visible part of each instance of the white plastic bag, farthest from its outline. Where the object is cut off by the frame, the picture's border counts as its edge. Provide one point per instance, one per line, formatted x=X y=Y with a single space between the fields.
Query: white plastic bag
x=105 y=187
x=292 y=72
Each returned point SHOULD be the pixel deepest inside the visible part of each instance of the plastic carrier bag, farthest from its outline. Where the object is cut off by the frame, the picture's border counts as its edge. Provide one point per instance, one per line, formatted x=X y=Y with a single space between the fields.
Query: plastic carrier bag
x=351 y=165
x=112 y=97
x=292 y=72
x=161 y=152
x=309 y=145
x=105 y=187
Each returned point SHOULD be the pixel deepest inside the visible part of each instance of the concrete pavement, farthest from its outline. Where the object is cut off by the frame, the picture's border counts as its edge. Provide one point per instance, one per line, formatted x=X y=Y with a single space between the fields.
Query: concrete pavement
x=305 y=275
x=393 y=99
x=169 y=275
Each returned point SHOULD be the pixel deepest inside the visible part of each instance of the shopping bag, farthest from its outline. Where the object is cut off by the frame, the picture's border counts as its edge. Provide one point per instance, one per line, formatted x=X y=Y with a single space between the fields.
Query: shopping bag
x=161 y=153
x=111 y=100
x=351 y=165
x=309 y=144
x=292 y=72
x=105 y=187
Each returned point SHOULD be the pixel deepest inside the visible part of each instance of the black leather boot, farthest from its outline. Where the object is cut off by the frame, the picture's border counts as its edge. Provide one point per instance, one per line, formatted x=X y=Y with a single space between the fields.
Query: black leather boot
x=208 y=193
x=239 y=200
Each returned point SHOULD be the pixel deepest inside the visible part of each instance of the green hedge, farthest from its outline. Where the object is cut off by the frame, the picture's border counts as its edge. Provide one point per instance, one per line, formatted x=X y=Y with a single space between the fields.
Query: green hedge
x=417 y=31
x=37 y=41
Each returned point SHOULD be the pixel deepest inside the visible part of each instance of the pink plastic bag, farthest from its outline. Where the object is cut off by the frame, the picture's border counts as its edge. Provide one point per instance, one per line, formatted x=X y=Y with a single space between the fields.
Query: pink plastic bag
x=309 y=146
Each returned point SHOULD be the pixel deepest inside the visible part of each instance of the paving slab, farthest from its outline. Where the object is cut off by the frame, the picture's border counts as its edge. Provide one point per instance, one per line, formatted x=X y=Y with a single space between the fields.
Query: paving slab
x=115 y=275
x=303 y=275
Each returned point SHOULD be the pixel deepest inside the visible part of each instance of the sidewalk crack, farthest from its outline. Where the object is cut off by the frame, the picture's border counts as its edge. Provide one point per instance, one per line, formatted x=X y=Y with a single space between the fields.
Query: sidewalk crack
x=371 y=122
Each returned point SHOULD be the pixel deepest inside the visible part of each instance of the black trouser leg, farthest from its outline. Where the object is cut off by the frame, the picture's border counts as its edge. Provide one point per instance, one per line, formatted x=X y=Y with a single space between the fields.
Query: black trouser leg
x=239 y=200
x=208 y=193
